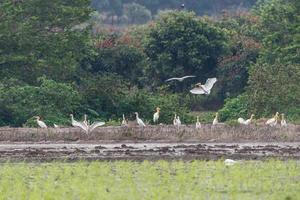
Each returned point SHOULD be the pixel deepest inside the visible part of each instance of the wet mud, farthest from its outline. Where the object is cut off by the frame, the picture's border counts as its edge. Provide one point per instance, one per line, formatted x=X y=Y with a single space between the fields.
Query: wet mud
x=146 y=151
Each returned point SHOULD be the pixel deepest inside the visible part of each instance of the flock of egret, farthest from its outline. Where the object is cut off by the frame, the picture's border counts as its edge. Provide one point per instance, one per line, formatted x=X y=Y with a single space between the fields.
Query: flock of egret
x=199 y=89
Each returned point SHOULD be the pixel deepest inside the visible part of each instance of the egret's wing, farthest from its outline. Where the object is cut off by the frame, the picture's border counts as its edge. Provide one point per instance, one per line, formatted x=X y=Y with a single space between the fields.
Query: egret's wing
x=171 y=79
x=209 y=83
x=81 y=125
x=197 y=90
x=188 y=77
x=95 y=125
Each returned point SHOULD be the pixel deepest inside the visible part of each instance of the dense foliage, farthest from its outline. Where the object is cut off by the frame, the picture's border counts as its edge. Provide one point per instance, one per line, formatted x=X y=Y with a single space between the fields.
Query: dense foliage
x=274 y=78
x=56 y=59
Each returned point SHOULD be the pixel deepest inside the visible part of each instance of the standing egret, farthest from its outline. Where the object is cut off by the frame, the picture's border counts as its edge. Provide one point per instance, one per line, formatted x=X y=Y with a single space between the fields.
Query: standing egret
x=216 y=121
x=179 y=79
x=178 y=122
x=198 y=124
x=40 y=123
x=91 y=127
x=139 y=120
x=204 y=89
x=81 y=125
x=283 y=121
x=124 y=122
x=273 y=121
x=175 y=120
x=156 y=115
x=55 y=126
x=246 y=122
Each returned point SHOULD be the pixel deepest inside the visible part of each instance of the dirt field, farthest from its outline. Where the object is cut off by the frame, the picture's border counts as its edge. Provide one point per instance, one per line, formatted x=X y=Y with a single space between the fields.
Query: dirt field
x=149 y=151
x=207 y=133
x=153 y=142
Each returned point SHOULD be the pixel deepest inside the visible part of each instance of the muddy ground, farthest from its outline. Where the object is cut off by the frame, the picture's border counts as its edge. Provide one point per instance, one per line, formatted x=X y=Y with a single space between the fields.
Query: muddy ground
x=148 y=151
x=152 y=143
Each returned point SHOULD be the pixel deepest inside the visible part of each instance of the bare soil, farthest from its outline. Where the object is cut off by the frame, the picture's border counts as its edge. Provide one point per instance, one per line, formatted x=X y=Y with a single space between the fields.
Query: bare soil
x=149 y=151
x=207 y=133
x=152 y=143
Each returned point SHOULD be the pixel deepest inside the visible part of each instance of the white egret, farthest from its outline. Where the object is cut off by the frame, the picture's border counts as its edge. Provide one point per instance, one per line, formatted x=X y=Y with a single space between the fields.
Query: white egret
x=179 y=79
x=283 y=121
x=204 y=89
x=85 y=120
x=175 y=120
x=156 y=115
x=216 y=121
x=91 y=127
x=40 y=123
x=198 y=124
x=55 y=126
x=229 y=162
x=273 y=121
x=178 y=122
x=139 y=120
x=81 y=125
x=246 y=122
x=124 y=122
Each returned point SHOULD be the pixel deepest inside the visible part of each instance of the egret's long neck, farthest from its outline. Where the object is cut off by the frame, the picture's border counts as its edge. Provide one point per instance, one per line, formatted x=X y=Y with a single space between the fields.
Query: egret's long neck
x=197 y=119
x=123 y=117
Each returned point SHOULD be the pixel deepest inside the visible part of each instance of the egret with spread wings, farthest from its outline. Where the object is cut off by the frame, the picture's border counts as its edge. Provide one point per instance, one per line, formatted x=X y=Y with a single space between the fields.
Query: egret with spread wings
x=204 y=89
x=179 y=79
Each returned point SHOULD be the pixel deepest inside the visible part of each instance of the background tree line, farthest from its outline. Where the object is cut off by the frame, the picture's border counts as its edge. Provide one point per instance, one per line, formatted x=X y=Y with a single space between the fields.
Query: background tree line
x=52 y=64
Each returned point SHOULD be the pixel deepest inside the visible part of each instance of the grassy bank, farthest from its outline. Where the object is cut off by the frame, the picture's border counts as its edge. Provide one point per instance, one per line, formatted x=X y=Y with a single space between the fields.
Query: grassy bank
x=151 y=180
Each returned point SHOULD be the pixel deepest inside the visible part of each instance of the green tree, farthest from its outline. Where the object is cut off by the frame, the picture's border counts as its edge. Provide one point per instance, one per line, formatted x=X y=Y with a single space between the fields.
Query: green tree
x=136 y=14
x=51 y=100
x=40 y=38
x=179 y=43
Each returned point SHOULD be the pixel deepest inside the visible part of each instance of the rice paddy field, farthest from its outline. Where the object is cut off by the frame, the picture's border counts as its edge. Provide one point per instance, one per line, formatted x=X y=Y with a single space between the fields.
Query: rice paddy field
x=270 y=179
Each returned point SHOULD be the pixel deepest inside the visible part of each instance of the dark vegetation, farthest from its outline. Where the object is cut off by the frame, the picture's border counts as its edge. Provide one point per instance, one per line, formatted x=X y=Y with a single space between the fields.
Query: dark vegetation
x=60 y=57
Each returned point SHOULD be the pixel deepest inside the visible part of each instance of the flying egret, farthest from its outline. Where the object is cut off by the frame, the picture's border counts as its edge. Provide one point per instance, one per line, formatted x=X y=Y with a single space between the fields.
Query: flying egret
x=124 y=122
x=204 y=89
x=198 y=124
x=246 y=122
x=229 y=162
x=273 y=121
x=216 y=121
x=139 y=120
x=156 y=115
x=283 y=121
x=179 y=79
x=40 y=123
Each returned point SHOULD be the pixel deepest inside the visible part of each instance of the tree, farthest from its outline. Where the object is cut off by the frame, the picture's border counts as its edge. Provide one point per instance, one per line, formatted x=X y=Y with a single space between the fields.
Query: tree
x=136 y=13
x=40 y=38
x=179 y=43
x=244 y=47
x=279 y=27
x=50 y=100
